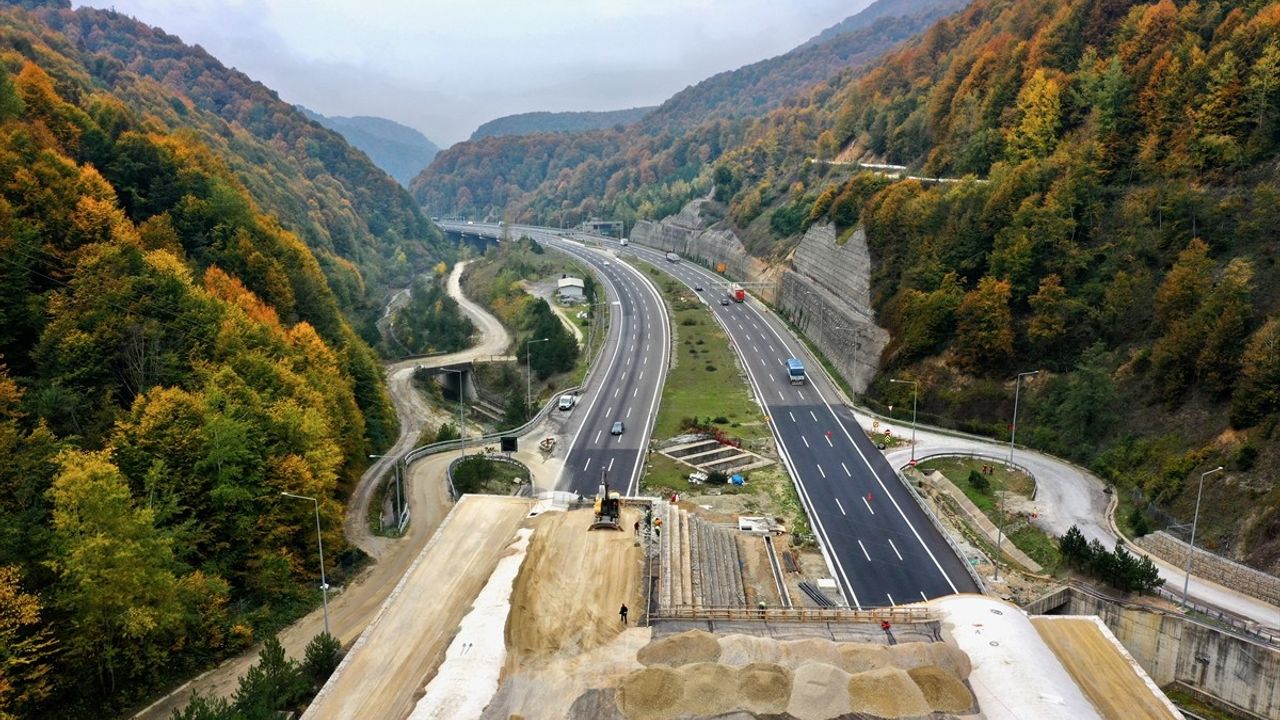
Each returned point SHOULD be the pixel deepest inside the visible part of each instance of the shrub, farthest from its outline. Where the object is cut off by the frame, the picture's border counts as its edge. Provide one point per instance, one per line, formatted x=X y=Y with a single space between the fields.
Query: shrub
x=979 y=482
x=720 y=420
x=1138 y=522
x=710 y=367
x=715 y=477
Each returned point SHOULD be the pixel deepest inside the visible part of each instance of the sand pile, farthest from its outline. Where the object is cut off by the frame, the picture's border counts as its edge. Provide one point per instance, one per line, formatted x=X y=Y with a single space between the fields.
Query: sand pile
x=887 y=692
x=795 y=653
x=707 y=687
x=739 y=650
x=861 y=657
x=815 y=692
x=764 y=688
x=914 y=655
x=942 y=690
x=650 y=693
x=694 y=646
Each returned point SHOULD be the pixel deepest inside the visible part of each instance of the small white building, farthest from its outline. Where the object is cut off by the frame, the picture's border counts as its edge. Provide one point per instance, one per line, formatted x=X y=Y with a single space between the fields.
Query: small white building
x=570 y=290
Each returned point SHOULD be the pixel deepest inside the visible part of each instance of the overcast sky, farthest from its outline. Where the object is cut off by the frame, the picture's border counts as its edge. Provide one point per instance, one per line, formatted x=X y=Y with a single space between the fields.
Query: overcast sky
x=444 y=67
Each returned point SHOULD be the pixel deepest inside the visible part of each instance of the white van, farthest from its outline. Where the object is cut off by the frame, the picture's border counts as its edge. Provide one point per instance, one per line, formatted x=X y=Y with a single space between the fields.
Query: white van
x=624 y=242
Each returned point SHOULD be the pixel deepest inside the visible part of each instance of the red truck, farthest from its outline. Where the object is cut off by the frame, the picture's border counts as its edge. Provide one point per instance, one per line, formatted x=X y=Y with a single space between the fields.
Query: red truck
x=737 y=293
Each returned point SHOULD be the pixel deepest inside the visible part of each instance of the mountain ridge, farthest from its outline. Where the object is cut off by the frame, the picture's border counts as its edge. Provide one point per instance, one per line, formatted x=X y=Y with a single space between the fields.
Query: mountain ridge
x=528 y=123
x=398 y=149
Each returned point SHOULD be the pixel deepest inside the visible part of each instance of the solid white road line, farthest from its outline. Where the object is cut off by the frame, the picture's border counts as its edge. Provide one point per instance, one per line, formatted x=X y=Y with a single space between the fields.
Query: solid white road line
x=846 y=469
x=824 y=472
x=806 y=440
x=895 y=548
x=864 y=551
x=842 y=512
x=864 y=502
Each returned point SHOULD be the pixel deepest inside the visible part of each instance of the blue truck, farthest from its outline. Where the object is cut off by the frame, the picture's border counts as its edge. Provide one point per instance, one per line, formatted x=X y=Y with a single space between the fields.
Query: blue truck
x=795 y=370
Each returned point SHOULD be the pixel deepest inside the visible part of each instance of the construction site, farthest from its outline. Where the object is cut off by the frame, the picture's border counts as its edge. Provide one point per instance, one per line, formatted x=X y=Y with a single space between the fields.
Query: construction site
x=514 y=610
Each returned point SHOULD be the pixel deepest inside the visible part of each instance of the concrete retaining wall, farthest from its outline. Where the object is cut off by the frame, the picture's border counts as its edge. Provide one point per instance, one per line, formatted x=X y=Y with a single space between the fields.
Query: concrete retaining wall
x=1216 y=568
x=1243 y=675
x=826 y=291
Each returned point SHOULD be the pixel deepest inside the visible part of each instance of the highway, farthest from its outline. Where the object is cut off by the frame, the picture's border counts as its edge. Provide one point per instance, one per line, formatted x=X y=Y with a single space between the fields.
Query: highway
x=627 y=384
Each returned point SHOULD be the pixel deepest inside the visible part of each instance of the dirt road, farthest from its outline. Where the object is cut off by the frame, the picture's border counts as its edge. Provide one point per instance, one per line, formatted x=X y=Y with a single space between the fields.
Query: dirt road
x=405 y=644
x=353 y=606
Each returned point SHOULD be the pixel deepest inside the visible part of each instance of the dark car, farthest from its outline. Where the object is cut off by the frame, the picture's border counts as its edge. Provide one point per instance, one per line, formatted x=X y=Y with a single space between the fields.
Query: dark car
x=616 y=429
x=698 y=288
x=724 y=301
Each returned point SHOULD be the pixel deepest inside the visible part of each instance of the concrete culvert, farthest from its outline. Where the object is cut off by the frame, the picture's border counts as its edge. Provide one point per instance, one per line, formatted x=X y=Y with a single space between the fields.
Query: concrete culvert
x=650 y=694
x=707 y=690
x=764 y=688
x=942 y=691
x=888 y=693
x=686 y=648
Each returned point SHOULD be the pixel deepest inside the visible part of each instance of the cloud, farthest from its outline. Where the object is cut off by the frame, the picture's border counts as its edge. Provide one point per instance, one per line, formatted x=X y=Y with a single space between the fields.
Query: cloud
x=446 y=67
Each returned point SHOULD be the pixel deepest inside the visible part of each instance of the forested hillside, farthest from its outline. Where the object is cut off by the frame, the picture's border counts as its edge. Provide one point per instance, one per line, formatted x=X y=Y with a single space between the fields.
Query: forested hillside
x=653 y=167
x=550 y=122
x=398 y=149
x=363 y=228
x=171 y=360
x=1117 y=231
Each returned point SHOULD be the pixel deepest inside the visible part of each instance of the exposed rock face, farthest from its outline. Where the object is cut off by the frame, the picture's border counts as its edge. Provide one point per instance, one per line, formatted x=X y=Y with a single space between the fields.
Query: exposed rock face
x=825 y=292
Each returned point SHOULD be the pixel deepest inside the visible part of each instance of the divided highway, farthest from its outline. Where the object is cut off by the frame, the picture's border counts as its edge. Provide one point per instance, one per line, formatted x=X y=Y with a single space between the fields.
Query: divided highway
x=882 y=546
x=627 y=384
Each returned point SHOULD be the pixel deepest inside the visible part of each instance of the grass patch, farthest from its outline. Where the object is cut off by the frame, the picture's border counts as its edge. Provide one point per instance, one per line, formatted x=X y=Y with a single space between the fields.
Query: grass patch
x=705 y=381
x=1187 y=701
x=1039 y=546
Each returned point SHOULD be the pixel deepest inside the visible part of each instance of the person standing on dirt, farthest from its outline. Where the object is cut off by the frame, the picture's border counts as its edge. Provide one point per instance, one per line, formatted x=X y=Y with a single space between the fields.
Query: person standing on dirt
x=623 y=613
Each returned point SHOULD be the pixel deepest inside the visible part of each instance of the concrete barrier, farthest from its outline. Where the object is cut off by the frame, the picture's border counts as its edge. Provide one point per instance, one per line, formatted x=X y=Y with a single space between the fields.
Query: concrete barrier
x=1215 y=568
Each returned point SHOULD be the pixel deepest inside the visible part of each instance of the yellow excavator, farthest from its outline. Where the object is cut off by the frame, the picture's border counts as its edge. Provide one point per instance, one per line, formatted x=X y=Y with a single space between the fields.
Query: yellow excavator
x=608 y=509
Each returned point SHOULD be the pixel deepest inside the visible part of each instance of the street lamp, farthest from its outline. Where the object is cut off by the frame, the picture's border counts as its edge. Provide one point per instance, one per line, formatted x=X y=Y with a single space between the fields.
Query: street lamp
x=324 y=585
x=1186 y=584
x=915 y=387
x=399 y=484
x=528 y=372
x=1013 y=433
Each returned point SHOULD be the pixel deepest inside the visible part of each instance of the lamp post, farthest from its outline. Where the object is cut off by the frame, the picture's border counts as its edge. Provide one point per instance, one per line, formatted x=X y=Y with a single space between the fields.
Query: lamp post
x=1013 y=433
x=1191 y=551
x=399 y=483
x=915 y=387
x=324 y=584
x=528 y=372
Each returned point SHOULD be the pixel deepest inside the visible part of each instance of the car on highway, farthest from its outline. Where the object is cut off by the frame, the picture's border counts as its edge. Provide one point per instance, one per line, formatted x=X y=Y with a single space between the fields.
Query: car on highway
x=724 y=300
x=616 y=429
x=566 y=402
x=698 y=288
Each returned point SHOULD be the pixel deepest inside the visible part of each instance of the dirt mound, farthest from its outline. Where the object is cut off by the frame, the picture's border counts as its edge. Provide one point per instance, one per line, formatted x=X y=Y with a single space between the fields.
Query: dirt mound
x=739 y=650
x=764 y=688
x=817 y=692
x=650 y=693
x=887 y=692
x=942 y=690
x=693 y=646
x=861 y=657
x=705 y=686
x=573 y=608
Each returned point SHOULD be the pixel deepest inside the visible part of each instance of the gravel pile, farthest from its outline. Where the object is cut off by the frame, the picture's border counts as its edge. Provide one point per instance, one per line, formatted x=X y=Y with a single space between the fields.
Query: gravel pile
x=693 y=646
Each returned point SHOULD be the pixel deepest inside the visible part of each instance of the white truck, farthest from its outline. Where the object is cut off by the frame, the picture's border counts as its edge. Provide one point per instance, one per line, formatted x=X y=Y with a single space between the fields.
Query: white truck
x=672 y=257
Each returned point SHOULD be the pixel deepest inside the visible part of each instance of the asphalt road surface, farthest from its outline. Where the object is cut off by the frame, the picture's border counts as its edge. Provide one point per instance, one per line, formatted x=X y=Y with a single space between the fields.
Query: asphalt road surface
x=626 y=385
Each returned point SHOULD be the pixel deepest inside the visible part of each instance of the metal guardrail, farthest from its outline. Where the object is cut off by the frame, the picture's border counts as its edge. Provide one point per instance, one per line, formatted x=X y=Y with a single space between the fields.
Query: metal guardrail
x=977 y=579
x=898 y=614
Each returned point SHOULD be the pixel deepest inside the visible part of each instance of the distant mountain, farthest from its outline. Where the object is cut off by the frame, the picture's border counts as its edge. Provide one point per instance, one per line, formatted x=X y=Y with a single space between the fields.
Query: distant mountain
x=654 y=166
x=883 y=9
x=399 y=149
x=541 y=122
